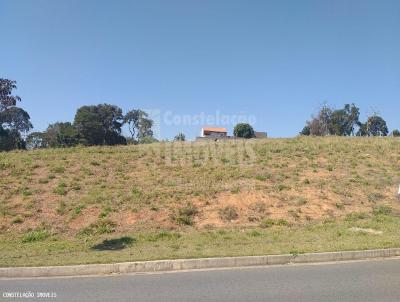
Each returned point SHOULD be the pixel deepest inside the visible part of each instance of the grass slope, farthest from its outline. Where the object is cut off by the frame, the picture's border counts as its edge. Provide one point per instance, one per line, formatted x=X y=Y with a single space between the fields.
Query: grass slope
x=179 y=200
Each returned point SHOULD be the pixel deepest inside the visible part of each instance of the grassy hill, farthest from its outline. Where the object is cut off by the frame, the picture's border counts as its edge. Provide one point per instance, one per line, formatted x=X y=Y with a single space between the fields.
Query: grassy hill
x=165 y=200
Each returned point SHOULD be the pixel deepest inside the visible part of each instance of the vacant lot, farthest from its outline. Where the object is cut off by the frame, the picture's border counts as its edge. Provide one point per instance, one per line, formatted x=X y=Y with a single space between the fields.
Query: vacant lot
x=172 y=200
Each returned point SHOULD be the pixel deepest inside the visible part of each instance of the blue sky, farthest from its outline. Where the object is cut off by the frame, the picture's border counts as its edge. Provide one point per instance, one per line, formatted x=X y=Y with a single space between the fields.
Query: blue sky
x=273 y=62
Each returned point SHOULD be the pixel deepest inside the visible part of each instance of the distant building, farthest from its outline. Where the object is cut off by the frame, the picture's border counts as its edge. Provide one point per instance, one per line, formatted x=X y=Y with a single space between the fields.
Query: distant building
x=213 y=132
x=260 y=134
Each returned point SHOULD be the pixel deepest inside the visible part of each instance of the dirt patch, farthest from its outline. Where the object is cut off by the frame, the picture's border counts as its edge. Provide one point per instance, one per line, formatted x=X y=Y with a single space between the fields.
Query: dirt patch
x=86 y=218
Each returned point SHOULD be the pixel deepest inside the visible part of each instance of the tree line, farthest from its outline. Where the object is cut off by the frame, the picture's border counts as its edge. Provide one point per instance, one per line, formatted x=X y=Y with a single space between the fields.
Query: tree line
x=93 y=125
x=345 y=122
x=102 y=125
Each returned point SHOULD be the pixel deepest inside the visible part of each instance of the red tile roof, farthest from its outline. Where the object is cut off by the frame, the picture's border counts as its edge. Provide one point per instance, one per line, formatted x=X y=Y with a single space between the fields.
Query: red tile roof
x=214 y=129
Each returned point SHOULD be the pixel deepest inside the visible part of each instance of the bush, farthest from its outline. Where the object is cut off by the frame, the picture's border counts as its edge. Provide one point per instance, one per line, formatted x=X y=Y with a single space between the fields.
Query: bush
x=186 y=214
x=228 y=213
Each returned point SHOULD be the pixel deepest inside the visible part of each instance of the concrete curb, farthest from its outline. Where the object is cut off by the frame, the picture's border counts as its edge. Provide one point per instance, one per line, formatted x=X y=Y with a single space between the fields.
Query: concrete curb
x=189 y=264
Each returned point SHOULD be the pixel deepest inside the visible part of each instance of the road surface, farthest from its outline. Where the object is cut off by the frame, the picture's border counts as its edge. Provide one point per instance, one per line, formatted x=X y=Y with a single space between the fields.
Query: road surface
x=356 y=281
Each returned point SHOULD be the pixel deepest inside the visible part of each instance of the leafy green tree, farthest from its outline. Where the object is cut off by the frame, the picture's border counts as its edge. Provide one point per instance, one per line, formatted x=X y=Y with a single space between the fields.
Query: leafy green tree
x=7 y=99
x=99 y=125
x=89 y=125
x=375 y=126
x=305 y=131
x=8 y=140
x=139 y=125
x=61 y=135
x=341 y=122
x=14 y=121
x=36 y=140
x=180 y=137
x=243 y=130
x=395 y=133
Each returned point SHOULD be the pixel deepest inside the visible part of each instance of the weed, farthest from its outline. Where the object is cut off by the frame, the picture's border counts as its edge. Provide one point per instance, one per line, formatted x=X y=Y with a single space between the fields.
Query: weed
x=35 y=236
x=356 y=216
x=382 y=210
x=105 y=212
x=102 y=226
x=58 y=169
x=254 y=233
x=17 y=219
x=61 y=207
x=266 y=223
x=61 y=188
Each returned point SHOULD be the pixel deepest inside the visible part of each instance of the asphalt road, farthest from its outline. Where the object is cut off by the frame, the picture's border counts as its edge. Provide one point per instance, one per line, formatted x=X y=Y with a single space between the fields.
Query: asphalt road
x=356 y=281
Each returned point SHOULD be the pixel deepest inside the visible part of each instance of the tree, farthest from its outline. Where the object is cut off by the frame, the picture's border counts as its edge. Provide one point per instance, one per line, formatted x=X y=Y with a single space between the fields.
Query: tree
x=6 y=98
x=14 y=121
x=99 y=125
x=139 y=125
x=61 y=135
x=341 y=122
x=180 y=137
x=319 y=125
x=148 y=140
x=396 y=133
x=243 y=130
x=305 y=131
x=375 y=126
x=9 y=142
x=36 y=140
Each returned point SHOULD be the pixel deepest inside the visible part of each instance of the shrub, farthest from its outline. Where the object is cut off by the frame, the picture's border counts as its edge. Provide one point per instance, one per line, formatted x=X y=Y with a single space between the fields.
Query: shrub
x=185 y=214
x=258 y=207
x=105 y=227
x=189 y=210
x=228 y=213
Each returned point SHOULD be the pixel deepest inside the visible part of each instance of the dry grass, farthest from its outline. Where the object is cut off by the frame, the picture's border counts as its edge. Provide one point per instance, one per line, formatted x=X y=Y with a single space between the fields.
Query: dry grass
x=78 y=192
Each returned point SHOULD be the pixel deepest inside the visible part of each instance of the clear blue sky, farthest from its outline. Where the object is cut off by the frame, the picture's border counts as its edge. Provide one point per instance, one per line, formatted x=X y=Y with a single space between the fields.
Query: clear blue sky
x=275 y=61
